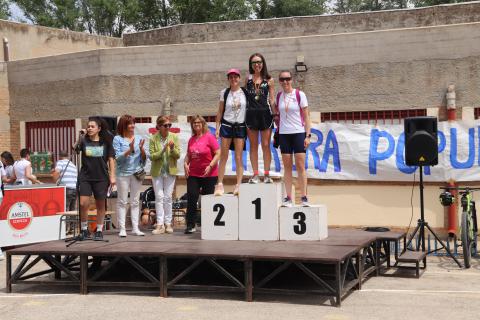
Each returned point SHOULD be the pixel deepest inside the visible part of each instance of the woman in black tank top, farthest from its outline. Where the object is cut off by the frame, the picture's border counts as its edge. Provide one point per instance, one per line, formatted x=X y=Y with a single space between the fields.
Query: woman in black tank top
x=260 y=89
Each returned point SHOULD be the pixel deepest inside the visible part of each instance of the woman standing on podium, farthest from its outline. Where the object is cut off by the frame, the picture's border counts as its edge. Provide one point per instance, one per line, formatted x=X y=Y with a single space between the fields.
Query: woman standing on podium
x=131 y=157
x=260 y=88
x=294 y=128
x=231 y=127
x=200 y=166
x=96 y=174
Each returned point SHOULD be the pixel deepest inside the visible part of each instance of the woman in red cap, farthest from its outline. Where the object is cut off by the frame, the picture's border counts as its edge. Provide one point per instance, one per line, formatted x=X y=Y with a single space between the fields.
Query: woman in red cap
x=231 y=127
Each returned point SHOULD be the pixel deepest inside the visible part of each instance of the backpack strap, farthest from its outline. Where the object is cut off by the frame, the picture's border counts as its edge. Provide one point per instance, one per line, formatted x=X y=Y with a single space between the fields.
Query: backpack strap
x=225 y=96
x=298 y=96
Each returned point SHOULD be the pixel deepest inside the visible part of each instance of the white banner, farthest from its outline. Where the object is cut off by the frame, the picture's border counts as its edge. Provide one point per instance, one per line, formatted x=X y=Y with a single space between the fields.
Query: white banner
x=366 y=152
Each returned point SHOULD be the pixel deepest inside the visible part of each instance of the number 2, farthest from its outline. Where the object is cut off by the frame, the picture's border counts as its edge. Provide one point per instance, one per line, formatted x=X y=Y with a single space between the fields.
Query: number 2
x=221 y=210
x=301 y=228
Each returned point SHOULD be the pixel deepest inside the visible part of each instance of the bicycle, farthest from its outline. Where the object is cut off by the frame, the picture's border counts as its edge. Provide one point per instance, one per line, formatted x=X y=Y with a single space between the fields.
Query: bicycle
x=468 y=224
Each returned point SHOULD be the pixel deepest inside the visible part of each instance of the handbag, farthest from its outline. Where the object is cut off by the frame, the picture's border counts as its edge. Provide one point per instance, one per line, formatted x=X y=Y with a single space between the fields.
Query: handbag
x=140 y=174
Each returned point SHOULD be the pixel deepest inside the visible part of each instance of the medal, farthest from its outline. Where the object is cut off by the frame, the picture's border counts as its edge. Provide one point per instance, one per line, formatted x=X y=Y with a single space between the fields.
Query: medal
x=257 y=97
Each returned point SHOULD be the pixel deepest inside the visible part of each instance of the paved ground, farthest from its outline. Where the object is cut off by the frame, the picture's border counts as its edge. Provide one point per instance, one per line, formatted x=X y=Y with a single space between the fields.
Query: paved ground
x=443 y=292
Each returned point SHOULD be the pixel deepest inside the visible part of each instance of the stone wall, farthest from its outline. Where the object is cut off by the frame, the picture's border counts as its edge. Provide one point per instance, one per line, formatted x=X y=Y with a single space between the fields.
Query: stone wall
x=311 y=25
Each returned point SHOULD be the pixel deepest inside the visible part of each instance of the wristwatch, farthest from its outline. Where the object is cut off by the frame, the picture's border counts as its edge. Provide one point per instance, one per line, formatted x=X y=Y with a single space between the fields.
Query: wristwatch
x=309 y=135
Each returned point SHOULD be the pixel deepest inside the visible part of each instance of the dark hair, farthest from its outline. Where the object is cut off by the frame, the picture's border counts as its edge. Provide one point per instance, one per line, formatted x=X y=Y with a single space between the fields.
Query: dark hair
x=104 y=134
x=264 y=72
x=289 y=72
x=123 y=124
x=24 y=152
x=8 y=158
x=63 y=154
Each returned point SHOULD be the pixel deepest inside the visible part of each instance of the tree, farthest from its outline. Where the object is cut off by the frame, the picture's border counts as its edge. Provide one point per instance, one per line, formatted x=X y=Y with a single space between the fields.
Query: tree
x=288 y=8
x=53 y=13
x=4 y=10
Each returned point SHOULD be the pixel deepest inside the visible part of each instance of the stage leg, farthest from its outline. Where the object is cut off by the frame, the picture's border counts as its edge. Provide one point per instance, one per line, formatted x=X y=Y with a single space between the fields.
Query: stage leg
x=58 y=273
x=378 y=248
x=163 y=279
x=83 y=273
x=338 y=284
x=248 y=265
x=9 y=273
x=358 y=260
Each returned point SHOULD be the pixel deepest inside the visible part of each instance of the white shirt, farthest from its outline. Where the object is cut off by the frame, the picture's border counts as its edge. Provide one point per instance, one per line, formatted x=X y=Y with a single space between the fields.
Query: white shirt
x=3 y=173
x=235 y=106
x=289 y=108
x=19 y=168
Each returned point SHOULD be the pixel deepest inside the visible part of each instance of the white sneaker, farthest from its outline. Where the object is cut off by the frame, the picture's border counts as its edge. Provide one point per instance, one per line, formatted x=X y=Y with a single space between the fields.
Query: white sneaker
x=267 y=179
x=168 y=228
x=160 y=229
x=236 y=190
x=305 y=202
x=254 y=180
x=287 y=202
x=137 y=232
x=122 y=233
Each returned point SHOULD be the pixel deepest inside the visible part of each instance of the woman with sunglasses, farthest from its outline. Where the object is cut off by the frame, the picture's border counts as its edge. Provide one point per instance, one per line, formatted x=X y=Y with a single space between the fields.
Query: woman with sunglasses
x=201 y=169
x=294 y=128
x=164 y=153
x=260 y=88
x=130 y=156
x=231 y=127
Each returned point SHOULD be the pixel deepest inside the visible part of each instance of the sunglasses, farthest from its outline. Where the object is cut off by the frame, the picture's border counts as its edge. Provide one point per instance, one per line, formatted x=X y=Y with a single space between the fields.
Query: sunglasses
x=256 y=62
x=285 y=79
x=166 y=125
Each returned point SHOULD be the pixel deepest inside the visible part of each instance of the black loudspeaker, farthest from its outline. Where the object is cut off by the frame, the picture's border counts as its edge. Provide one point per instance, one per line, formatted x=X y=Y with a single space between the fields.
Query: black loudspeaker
x=111 y=123
x=421 y=146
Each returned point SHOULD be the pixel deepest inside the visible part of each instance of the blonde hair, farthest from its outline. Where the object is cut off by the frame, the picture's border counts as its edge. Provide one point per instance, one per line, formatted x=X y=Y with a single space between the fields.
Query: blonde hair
x=204 y=123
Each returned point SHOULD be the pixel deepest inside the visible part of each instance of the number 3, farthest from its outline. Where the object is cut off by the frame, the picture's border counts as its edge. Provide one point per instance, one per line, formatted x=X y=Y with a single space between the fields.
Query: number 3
x=301 y=228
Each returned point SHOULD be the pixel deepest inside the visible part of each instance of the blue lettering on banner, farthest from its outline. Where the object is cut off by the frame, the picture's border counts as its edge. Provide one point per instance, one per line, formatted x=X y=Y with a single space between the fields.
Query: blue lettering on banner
x=312 y=148
x=453 y=149
x=331 y=150
x=374 y=155
x=399 y=156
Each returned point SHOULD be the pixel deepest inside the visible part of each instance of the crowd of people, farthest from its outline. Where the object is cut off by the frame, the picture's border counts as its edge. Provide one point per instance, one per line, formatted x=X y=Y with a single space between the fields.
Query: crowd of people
x=249 y=111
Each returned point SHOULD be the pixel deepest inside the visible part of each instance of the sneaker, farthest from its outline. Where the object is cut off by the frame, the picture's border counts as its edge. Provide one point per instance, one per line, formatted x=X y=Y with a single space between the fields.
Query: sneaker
x=159 y=229
x=219 y=190
x=168 y=228
x=98 y=236
x=287 y=202
x=267 y=179
x=305 y=201
x=122 y=233
x=236 y=190
x=254 y=180
x=137 y=232
x=84 y=235
x=190 y=230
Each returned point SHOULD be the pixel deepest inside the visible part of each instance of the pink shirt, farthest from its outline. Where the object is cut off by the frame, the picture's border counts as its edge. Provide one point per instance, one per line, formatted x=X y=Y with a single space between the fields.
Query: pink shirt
x=201 y=152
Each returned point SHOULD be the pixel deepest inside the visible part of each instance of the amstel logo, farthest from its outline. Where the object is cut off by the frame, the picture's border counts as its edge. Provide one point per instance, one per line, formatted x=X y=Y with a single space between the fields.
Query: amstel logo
x=20 y=216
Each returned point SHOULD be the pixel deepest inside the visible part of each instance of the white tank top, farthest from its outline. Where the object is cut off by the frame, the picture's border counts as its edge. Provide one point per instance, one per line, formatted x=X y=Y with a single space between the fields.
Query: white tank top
x=19 y=168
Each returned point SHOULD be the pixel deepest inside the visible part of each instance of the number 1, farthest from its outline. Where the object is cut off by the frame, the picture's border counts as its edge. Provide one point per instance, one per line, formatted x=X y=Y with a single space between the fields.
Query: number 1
x=258 y=207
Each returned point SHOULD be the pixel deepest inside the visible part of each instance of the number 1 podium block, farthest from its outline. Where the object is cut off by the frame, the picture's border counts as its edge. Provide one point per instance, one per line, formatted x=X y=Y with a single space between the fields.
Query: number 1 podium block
x=219 y=217
x=303 y=223
x=258 y=211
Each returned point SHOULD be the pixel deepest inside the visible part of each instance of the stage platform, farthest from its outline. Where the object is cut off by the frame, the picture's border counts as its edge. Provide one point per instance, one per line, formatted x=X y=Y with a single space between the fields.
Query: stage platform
x=331 y=267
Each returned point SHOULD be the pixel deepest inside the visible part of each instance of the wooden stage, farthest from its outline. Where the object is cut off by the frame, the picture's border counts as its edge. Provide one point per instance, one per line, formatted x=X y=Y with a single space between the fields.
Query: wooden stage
x=331 y=267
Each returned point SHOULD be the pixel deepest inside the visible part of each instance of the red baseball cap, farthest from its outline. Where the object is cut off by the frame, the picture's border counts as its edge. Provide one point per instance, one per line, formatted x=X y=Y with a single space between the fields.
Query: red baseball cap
x=233 y=70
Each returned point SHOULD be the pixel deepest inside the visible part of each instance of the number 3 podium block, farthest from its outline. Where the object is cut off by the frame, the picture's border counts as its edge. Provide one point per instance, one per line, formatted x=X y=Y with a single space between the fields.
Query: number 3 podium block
x=258 y=211
x=303 y=223
x=220 y=217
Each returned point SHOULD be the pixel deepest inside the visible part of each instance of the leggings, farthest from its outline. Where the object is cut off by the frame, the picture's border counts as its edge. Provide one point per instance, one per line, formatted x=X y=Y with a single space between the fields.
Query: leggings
x=195 y=186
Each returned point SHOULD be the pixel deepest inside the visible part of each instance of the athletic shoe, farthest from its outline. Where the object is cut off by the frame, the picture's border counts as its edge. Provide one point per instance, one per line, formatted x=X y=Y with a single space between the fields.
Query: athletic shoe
x=122 y=233
x=137 y=232
x=305 y=202
x=84 y=235
x=236 y=190
x=168 y=228
x=267 y=179
x=254 y=180
x=287 y=202
x=190 y=230
x=219 y=190
x=98 y=236
x=160 y=229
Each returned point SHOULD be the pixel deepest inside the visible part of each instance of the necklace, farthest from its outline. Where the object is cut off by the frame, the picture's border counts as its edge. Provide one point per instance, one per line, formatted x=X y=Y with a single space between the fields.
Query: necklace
x=286 y=103
x=257 y=88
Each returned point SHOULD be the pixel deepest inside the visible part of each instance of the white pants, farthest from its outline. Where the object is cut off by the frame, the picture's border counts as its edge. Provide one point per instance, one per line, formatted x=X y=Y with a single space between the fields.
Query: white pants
x=163 y=187
x=125 y=184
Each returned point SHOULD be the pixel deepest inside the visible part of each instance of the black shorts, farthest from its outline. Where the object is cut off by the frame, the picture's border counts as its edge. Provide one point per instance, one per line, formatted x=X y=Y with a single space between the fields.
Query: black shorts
x=237 y=130
x=259 y=119
x=292 y=143
x=98 y=188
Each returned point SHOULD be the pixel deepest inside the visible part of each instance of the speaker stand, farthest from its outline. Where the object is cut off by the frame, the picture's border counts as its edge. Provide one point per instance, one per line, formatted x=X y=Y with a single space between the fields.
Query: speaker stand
x=422 y=224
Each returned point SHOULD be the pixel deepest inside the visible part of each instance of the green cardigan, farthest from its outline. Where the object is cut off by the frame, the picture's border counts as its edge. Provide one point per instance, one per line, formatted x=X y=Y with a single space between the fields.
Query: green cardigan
x=156 y=154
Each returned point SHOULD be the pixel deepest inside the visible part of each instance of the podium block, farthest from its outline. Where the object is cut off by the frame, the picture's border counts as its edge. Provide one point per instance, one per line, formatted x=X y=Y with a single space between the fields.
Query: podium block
x=219 y=217
x=258 y=211
x=303 y=223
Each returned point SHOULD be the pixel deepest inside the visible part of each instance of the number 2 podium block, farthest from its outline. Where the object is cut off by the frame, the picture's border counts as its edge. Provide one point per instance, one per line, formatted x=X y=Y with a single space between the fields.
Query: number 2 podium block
x=219 y=217
x=303 y=223
x=258 y=211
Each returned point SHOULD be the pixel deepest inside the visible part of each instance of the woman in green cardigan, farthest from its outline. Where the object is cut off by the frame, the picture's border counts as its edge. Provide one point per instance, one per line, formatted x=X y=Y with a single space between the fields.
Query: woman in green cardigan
x=164 y=153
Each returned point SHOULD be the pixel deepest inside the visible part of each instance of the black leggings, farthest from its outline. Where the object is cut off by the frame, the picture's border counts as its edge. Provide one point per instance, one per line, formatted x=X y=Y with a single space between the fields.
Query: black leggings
x=194 y=185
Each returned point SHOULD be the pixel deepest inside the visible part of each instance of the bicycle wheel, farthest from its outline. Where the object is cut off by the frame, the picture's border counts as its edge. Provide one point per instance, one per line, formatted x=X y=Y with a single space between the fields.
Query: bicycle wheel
x=466 y=241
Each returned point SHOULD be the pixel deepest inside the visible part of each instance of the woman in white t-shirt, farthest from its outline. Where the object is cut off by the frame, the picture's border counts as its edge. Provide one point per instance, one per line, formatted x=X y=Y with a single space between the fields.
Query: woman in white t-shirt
x=231 y=127
x=22 y=169
x=293 y=122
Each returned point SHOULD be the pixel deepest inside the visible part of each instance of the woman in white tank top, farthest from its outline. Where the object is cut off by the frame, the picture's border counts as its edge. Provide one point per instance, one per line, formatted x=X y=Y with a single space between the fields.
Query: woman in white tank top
x=22 y=169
